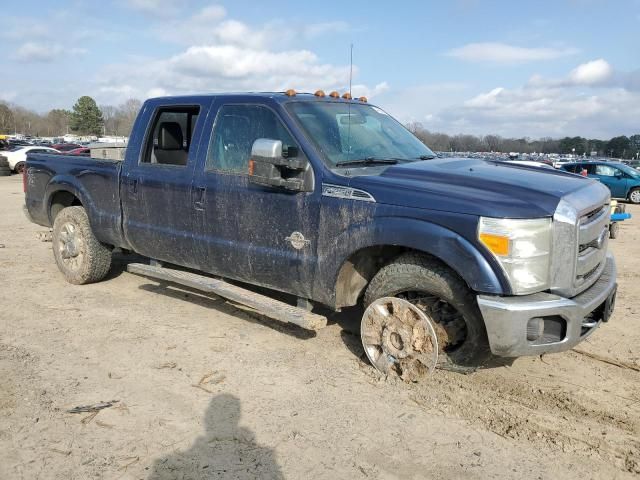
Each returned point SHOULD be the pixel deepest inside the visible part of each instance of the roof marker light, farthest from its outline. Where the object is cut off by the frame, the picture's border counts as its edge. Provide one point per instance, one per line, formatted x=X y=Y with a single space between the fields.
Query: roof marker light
x=290 y=93
x=346 y=96
x=334 y=94
x=319 y=93
x=363 y=99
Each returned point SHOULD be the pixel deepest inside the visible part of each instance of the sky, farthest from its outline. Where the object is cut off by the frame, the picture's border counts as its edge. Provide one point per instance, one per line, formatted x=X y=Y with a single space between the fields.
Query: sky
x=513 y=68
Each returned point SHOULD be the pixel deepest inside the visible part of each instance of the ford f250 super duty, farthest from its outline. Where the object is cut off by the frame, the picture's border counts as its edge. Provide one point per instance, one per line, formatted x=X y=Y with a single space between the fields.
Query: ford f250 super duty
x=331 y=200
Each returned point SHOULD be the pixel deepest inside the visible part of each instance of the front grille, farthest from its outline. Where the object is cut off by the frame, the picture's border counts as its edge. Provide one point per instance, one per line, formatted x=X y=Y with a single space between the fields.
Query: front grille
x=593 y=234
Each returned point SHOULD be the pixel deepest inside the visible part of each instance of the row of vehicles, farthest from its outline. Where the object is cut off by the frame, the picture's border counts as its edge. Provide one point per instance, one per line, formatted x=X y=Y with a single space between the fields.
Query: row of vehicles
x=330 y=200
x=16 y=155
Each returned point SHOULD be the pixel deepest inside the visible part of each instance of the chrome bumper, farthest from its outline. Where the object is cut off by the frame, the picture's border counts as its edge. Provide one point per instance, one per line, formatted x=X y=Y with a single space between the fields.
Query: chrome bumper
x=507 y=318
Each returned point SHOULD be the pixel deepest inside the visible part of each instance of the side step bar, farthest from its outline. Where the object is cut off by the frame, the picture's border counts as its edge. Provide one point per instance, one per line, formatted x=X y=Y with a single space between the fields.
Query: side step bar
x=265 y=305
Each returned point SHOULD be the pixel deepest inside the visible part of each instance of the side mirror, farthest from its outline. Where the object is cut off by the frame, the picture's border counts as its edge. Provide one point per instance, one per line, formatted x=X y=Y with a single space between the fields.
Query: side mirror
x=618 y=175
x=269 y=166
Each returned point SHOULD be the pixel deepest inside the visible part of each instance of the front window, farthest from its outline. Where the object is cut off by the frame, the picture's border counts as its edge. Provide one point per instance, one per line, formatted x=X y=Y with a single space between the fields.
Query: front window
x=632 y=172
x=348 y=132
x=606 y=170
x=236 y=128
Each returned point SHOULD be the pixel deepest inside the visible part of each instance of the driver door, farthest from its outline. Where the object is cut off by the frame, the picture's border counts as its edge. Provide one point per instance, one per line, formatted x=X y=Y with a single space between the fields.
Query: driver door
x=261 y=235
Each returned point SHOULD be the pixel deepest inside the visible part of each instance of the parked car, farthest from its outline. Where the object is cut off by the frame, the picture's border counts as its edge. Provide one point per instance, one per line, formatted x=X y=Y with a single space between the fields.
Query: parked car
x=17 y=156
x=82 y=151
x=66 y=147
x=622 y=180
x=334 y=202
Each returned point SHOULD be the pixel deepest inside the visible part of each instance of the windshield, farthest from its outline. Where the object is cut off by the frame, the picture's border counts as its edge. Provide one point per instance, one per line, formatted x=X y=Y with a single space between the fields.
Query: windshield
x=630 y=171
x=347 y=132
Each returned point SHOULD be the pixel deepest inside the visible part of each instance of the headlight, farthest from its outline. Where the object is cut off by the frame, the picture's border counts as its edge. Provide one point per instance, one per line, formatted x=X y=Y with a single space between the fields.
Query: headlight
x=523 y=249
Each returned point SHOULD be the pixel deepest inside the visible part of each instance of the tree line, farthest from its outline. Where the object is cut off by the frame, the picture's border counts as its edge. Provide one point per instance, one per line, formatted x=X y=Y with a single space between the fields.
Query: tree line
x=616 y=147
x=85 y=118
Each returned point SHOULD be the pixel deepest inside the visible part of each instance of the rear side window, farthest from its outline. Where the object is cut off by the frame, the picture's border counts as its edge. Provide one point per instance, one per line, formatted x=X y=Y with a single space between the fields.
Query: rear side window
x=235 y=129
x=171 y=135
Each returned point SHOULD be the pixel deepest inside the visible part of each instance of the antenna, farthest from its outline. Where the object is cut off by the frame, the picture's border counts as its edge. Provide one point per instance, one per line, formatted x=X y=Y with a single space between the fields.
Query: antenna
x=350 y=68
x=349 y=104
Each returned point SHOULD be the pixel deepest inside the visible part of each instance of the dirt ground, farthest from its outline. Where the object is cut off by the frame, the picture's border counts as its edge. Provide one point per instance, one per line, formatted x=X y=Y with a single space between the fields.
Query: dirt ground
x=206 y=389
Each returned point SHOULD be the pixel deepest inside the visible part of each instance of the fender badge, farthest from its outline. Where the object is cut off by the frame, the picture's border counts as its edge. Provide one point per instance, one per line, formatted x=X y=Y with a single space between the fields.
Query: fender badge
x=297 y=240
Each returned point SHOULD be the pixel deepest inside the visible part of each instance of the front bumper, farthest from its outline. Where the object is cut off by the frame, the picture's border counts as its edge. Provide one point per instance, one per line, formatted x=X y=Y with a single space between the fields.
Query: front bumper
x=570 y=320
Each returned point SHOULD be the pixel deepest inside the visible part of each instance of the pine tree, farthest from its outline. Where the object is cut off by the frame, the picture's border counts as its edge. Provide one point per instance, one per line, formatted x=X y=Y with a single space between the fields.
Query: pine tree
x=86 y=118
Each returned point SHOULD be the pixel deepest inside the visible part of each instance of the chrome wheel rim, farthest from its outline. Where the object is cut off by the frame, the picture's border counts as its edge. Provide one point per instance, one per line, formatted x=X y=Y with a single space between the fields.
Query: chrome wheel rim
x=635 y=196
x=399 y=338
x=71 y=246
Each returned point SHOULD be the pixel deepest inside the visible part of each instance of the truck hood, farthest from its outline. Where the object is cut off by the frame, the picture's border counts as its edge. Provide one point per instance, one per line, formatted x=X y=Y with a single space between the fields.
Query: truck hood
x=472 y=186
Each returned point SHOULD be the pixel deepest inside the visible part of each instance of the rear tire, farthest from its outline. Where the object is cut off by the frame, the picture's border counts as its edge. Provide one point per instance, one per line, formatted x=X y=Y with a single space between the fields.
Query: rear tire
x=614 y=229
x=436 y=289
x=80 y=256
x=634 y=196
x=19 y=168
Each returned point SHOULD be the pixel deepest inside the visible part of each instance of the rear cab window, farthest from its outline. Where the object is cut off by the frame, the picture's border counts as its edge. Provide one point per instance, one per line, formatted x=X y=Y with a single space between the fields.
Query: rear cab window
x=171 y=135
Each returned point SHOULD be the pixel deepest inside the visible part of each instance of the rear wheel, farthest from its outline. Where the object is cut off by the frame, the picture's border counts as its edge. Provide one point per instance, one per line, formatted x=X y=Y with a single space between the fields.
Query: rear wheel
x=80 y=256
x=445 y=298
x=19 y=168
x=634 y=196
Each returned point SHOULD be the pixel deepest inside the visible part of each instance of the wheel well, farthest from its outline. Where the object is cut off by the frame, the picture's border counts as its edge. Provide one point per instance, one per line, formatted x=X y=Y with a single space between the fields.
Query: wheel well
x=358 y=270
x=60 y=200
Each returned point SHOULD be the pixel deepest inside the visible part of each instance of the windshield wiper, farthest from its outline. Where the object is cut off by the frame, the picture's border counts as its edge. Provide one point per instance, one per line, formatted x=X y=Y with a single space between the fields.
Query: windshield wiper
x=367 y=161
x=427 y=157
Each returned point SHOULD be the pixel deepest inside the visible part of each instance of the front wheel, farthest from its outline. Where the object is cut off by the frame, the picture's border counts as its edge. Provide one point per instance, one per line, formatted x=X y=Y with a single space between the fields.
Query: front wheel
x=634 y=196
x=19 y=168
x=445 y=298
x=80 y=256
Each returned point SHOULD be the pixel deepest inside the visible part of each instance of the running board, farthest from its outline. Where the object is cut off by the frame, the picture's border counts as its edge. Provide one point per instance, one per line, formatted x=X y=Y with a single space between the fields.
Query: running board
x=265 y=305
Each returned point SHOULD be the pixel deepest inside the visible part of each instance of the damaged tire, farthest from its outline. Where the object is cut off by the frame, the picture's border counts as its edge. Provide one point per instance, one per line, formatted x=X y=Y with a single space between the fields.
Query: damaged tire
x=80 y=256
x=444 y=297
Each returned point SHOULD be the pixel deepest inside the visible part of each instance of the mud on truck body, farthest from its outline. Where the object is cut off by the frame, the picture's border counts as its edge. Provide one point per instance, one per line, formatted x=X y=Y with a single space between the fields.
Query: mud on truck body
x=331 y=200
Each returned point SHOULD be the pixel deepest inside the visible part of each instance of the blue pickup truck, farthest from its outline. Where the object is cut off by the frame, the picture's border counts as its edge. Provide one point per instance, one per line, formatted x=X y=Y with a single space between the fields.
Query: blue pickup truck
x=331 y=200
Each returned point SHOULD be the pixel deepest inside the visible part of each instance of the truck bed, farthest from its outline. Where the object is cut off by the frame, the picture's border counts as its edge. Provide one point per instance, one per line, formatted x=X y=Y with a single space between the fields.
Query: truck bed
x=95 y=182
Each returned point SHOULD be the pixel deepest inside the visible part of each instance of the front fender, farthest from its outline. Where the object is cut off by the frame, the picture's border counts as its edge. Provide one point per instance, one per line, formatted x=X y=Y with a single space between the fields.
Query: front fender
x=440 y=242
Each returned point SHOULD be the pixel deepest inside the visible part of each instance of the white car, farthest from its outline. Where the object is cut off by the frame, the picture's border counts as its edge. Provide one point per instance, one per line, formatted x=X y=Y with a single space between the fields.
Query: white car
x=17 y=156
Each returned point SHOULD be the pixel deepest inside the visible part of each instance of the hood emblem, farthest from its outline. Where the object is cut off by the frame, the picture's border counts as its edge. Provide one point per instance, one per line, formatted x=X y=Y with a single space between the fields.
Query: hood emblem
x=297 y=240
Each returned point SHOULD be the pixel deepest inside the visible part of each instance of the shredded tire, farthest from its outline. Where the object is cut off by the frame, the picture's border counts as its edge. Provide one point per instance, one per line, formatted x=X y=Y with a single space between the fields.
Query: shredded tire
x=413 y=272
x=96 y=257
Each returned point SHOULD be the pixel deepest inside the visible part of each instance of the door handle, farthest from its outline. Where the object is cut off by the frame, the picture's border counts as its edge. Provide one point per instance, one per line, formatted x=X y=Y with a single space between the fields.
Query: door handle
x=135 y=186
x=198 y=202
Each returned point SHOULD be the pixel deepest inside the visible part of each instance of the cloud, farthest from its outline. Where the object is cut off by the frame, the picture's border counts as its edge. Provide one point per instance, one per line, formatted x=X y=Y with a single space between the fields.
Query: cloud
x=502 y=53
x=218 y=68
x=592 y=100
x=40 y=52
x=156 y=8
x=210 y=26
x=225 y=54
x=591 y=73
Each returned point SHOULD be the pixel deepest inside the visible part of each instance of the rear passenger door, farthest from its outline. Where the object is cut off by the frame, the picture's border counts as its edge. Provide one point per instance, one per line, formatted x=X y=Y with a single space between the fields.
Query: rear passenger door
x=260 y=235
x=156 y=187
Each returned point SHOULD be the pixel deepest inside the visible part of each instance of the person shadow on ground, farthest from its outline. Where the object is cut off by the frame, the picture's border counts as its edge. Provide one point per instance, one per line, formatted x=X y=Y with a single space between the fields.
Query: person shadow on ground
x=225 y=451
